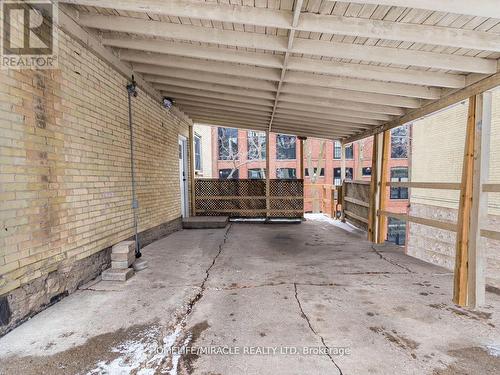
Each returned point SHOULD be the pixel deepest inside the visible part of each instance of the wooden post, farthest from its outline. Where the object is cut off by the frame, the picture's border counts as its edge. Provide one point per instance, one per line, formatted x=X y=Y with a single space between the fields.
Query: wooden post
x=465 y=210
x=476 y=284
x=191 y=170
x=382 y=196
x=372 y=213
x=268 y=175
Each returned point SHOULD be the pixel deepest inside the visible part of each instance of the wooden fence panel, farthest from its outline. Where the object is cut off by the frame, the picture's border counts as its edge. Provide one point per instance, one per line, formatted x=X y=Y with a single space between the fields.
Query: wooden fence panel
x=356 y=202
x=247 y=198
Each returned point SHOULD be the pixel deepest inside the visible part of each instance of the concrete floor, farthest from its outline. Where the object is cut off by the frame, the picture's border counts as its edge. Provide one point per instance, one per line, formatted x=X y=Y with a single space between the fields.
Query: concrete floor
x=260 y=298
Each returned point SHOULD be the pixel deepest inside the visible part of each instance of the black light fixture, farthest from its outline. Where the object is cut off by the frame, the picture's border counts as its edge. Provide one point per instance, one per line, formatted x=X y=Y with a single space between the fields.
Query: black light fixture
x=167 y=103
x=132 y=87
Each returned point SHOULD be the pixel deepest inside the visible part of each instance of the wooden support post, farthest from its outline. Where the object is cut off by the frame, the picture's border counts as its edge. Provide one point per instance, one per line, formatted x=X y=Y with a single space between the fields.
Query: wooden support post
x=476 y=284
x=465 y=210
x=372 y=213
x=383 y=161
x=268 y=175
x=191 y=170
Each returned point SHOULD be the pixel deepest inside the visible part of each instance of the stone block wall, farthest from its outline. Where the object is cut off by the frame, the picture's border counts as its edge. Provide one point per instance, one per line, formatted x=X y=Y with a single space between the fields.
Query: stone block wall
x=65 y=175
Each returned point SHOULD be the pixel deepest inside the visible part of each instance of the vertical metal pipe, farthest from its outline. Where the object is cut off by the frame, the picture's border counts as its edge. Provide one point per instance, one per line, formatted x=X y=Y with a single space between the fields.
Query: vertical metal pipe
x=135 y=204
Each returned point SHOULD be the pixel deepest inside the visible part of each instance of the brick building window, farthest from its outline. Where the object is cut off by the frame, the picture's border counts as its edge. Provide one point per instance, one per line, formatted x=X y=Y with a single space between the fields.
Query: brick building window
x=227 y=141
x=366 y=171
x=256 y=173
x=285 y=147
x=349 y=152
x=197 y=152
x=399 y=174
x=349 y=174
x=228 y=174
x=286 y=173
x=399 y=142
x=256 y=145
x=315 y=171
x=337 y=150
x=337 y=174
x=396 y=231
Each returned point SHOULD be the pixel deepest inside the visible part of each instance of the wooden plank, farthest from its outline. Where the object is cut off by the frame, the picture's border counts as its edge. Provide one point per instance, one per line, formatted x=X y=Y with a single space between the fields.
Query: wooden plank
x=476 y=285
x=358 y=182
x=354 y=216
x=464 y=211
x=372 y=209
x=491 y=234
x=491 y=188
x=356 y=201
x=426 y=185
x=382 y=198
x=420 y=220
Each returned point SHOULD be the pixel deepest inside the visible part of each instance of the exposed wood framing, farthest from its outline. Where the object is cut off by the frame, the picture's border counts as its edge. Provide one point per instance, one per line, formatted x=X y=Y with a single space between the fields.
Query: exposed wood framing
x=476 y=283
x=465 y=210
x=382 y=198
x=450 y=99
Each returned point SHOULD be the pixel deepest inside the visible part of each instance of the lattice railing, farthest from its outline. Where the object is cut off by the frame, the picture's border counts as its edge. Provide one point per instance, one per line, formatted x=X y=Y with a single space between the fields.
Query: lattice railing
x=247 y=198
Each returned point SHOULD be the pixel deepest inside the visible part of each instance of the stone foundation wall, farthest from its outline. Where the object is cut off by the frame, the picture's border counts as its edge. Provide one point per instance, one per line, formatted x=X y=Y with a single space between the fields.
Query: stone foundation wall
x=35 y=296
x=438 y=246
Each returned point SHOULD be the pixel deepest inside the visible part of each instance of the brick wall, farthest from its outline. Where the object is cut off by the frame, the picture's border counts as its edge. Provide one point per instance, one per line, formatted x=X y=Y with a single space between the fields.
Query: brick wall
x=437 y=155
x=65 y=166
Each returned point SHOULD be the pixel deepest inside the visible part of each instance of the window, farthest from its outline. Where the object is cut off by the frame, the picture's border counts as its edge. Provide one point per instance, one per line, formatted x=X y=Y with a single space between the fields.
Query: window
x=399 y=174
x=396 y=231
x=337 y=174
x=228 y=143
x=285 y=147
x=337 y=150
x=399 y=142
x=256 y=173
x=286 y=173
x=197 y=152
x=227 y=174
x=256 y=145
x=321 y=172
x=349 y=174
x=366 y=171
x=349 y=152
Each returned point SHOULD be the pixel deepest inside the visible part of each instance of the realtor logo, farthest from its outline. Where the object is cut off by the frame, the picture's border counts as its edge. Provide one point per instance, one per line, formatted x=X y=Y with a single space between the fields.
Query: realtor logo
x=29 y=37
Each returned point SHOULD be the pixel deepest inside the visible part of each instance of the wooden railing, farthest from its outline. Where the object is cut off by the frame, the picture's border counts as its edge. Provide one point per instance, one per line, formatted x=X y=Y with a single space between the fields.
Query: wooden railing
x=247 y=198
x=324 y=197
x=355 y=202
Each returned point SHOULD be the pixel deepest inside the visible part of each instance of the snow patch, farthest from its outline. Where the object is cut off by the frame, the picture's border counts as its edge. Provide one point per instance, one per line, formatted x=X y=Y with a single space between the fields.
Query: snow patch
x=493 y=350
x=328 y=220
x=146 y=355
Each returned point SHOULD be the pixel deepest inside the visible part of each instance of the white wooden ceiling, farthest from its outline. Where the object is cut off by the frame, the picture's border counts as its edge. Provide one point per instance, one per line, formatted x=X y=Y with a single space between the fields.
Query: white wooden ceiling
x=333 y=69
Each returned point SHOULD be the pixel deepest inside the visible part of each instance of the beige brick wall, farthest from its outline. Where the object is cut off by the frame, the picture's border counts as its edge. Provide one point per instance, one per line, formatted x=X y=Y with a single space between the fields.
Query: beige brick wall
x=437 y=156
x=65 y=164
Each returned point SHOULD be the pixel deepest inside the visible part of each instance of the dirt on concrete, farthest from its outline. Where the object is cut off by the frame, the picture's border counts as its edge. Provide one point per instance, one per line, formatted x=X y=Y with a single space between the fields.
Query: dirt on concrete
x=76 y=360
x=471 y=361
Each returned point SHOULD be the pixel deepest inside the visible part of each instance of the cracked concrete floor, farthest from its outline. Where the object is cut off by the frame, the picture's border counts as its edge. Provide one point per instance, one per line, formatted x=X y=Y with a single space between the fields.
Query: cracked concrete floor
x=260 y=297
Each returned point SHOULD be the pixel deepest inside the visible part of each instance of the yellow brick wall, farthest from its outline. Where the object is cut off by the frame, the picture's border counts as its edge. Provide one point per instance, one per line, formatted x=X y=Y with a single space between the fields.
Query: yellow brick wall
x=437 y=154
x=65 y=164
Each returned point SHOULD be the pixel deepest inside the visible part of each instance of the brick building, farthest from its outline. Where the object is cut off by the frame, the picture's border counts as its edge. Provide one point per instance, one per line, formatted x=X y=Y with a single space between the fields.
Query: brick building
x=241 y=154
